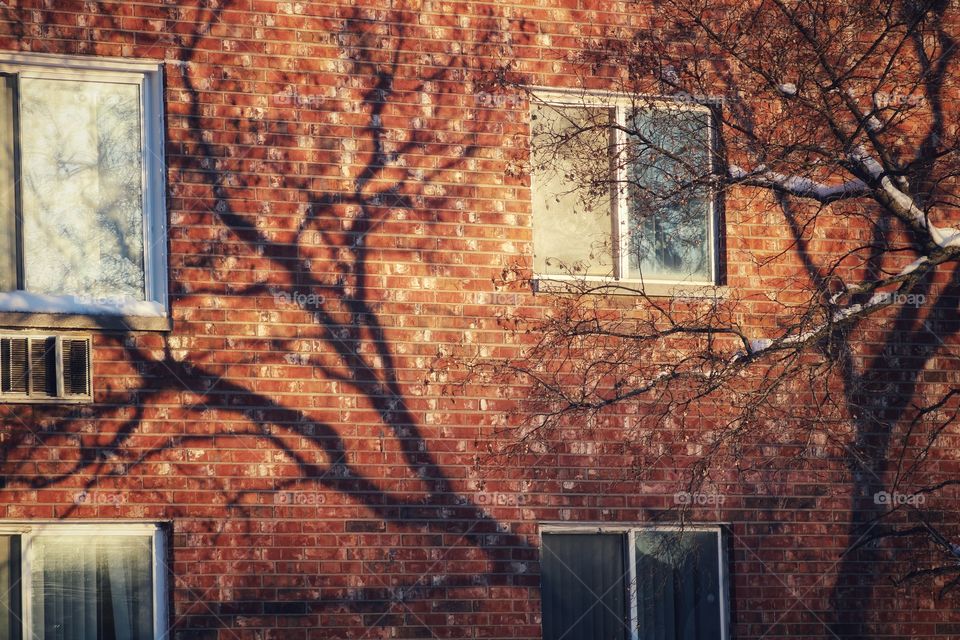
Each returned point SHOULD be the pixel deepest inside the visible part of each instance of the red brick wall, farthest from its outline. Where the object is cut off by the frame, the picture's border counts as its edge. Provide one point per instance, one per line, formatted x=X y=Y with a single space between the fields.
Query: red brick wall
x=342 y=196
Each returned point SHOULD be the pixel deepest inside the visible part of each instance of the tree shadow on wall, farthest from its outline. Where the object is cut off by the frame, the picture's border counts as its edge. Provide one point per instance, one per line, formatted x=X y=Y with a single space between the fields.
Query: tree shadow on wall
x=293 y=284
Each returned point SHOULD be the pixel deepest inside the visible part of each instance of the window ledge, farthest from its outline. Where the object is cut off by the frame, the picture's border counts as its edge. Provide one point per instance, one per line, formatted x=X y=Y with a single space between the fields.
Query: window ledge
x=111 y=323
x=41 y=311
x=605 y=286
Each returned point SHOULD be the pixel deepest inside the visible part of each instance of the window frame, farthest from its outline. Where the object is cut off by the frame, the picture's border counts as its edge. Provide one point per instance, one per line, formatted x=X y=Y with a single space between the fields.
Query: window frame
x=29 y=531
x=619 y=103
x=630 y=531
x=148 y=76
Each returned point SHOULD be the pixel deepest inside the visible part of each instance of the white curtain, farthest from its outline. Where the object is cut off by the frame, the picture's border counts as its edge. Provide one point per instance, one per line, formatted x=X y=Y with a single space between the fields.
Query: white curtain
x=129 y=581
x=64 y=589
x=82 y=185
x=87 y=588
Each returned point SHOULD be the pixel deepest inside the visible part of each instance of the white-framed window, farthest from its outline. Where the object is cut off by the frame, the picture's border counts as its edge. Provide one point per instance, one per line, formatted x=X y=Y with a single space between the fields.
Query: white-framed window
x=78 y=581
x=82 y=186
x=623 y=189
x=632 y=583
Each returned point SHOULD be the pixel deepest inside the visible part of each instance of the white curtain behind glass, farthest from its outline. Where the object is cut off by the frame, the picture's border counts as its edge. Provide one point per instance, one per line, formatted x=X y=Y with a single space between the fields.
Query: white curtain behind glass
x=82 y=178
x=87 y=588
x=571 y=187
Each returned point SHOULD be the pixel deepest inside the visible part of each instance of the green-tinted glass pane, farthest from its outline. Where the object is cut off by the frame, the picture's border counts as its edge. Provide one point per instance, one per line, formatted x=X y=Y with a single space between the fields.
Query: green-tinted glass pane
x=10 y=610
x=8 y=225
x=678 y=585
x=583 y=592
x=669 y=195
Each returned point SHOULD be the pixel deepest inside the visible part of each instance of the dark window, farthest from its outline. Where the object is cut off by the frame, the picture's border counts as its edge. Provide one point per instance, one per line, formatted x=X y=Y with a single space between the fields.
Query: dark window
x=9 y=587
x=655 y=583
x=584 y=587
x=678 y=585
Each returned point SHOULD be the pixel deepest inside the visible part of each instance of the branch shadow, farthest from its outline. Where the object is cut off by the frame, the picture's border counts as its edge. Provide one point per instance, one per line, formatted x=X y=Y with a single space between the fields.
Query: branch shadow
x=346 y=228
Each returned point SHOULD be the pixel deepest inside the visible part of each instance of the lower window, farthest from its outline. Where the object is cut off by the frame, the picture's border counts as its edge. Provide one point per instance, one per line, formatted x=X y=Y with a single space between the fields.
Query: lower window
x=81 y=582
x=633 y=584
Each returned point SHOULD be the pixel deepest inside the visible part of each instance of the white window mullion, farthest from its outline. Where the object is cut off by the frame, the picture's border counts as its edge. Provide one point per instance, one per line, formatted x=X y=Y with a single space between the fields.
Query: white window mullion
x=160 y=631
x=724 y=588
x=622 y=204
x=26 y=580
x=633 y=605
x=155 y=244
x=146 y=192
x=713 y=222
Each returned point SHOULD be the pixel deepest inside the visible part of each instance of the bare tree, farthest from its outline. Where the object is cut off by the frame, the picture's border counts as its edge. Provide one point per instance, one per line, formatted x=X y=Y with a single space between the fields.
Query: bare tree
x=829 y=151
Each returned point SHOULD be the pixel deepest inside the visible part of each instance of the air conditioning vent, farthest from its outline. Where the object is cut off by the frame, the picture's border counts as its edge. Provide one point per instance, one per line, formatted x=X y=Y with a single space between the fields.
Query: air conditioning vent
x=75 y=356
x=44 y=369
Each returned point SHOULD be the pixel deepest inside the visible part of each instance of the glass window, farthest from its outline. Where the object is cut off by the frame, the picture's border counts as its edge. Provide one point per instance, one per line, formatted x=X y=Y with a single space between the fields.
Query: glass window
x=10 y=613
x=670 y=207
x=81 y=187
x=98 y=584
x=623 y=191
x=572 y=231
x=678 y=585
x=82 y=207
x=584 y=586
x=645 y=583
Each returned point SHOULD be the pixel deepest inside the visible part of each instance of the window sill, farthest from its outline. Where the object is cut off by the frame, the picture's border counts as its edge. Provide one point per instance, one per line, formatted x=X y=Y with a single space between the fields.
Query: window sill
x=23 y=309
x=110 y=323
x=607 y=286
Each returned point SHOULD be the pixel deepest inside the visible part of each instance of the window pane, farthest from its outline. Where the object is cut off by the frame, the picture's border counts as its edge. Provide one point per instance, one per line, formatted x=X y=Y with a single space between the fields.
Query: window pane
x=82 y=173
x=10 y=612
x=583 y=587
x=678 y=585
x=86 y=588
x=8 y=225
x=571 y=184
x=670 y=200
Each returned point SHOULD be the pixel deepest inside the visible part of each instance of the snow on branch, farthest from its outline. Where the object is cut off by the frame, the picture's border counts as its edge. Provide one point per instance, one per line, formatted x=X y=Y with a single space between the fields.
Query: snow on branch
x=902 y=204
x=799 y=186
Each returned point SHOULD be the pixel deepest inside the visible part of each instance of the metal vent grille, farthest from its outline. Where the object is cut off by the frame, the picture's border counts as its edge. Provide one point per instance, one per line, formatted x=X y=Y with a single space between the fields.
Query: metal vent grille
x=75 y=356
x=44 y=369
x=14 y=365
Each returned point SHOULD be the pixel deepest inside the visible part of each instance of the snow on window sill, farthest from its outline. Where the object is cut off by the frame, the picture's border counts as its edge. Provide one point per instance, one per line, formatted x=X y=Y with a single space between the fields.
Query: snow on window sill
x=22 y=309
x=611 y=286
x=26 y=302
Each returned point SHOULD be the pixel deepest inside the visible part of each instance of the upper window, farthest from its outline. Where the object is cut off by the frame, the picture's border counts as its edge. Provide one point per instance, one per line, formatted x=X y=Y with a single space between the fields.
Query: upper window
x=81 y=186
x=623 y=190
x=81 y=581
x=633 y=583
